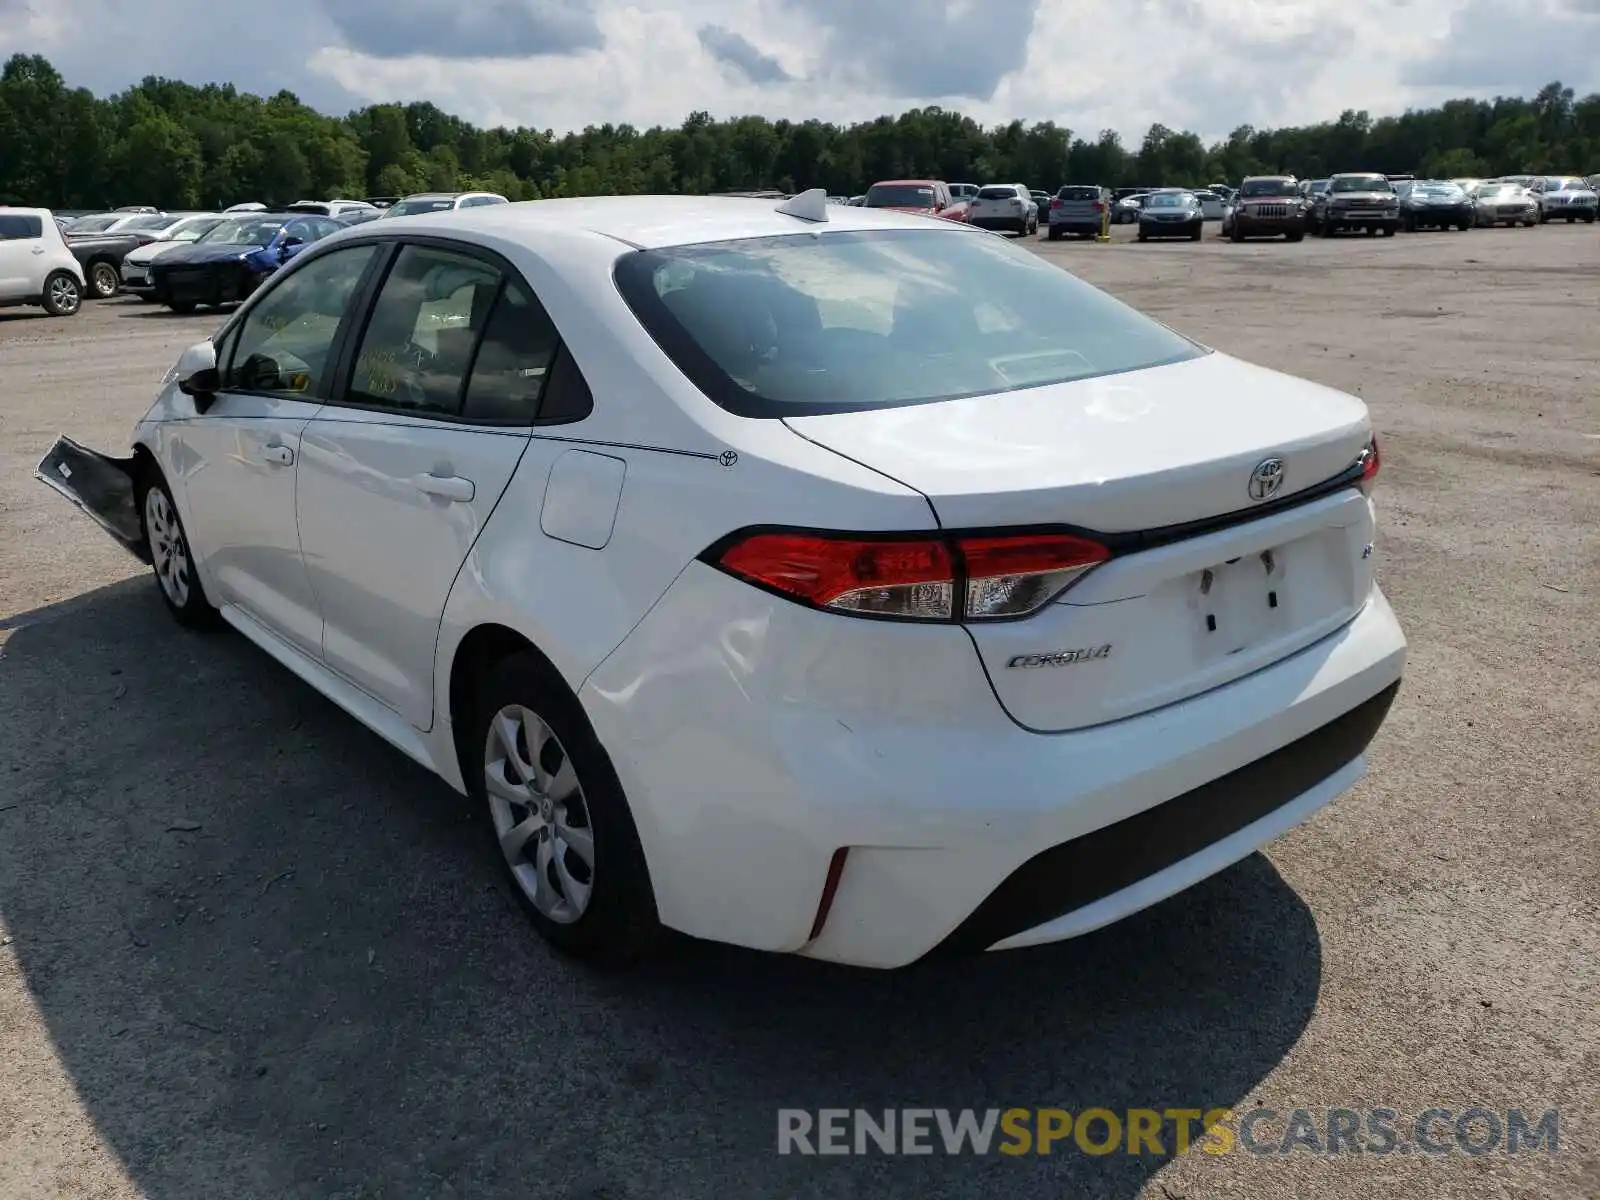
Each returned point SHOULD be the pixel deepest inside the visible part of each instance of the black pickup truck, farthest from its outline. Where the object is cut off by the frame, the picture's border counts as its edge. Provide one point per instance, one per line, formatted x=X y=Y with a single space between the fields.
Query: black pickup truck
x=101 y=255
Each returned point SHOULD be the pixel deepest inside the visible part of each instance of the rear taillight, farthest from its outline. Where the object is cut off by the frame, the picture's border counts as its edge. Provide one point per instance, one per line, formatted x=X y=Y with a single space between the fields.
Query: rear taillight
x=1099 y=206
x=1369 y=461
x=919 y=577
x=1055 y=202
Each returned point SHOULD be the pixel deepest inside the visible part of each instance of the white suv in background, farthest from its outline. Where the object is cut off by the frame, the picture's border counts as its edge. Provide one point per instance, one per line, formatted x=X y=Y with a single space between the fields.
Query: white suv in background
x=1005 y=206
x=35 y=265
x=432 y=202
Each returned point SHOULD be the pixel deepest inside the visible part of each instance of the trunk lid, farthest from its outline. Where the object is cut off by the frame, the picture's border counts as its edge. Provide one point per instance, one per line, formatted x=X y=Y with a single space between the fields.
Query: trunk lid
x=1137 y=457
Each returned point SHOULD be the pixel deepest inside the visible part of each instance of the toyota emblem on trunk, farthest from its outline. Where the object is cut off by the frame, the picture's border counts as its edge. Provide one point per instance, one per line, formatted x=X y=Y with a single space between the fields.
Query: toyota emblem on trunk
x=1266 y=479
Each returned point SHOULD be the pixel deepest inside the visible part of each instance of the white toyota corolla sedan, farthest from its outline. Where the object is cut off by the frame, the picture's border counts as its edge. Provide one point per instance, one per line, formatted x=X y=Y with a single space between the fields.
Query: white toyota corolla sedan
x=815 y=579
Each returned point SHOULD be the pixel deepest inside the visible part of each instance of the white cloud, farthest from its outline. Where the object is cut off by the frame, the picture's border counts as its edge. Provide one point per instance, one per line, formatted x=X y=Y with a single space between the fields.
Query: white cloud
x=1205 y=65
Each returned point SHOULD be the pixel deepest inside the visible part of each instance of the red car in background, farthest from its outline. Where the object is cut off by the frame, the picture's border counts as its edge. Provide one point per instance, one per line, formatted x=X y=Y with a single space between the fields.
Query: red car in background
x=927 y=197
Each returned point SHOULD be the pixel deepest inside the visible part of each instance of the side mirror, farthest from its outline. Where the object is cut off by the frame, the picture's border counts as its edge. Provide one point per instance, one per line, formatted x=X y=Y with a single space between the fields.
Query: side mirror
x=198 y=375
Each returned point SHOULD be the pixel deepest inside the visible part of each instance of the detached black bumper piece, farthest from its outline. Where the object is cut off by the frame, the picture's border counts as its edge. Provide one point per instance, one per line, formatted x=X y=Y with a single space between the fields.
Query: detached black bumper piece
x=1067 y=877
x=102 y=486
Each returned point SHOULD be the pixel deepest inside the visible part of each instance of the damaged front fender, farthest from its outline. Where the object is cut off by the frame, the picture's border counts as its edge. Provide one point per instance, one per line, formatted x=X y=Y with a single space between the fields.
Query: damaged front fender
x=104 y=487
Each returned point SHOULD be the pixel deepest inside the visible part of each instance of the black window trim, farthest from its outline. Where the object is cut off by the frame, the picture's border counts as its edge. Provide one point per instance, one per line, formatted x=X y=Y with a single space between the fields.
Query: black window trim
x=361 y=308
x=234 y=326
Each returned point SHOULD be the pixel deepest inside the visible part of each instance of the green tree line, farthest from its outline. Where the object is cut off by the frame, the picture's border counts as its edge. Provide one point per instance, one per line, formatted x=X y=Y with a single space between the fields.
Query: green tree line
x=174 y=145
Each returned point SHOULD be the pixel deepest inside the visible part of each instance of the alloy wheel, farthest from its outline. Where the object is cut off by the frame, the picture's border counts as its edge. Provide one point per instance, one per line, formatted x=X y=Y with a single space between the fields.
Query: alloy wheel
x=541 y=818
x=168 y=554
x=64 y=295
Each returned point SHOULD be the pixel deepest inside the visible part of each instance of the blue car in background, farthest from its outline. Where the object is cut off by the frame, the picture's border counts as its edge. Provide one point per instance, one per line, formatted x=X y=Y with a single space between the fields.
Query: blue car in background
x=228 y=263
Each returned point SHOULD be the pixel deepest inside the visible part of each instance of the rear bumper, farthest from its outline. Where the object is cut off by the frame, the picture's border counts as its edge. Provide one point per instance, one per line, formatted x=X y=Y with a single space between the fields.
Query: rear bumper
x=1019 y=221
x=1158 y=229
x=818 y=733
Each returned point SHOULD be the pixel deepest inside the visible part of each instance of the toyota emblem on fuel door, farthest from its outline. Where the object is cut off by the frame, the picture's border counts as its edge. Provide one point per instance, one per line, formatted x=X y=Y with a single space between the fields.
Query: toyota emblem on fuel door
x=1266 y=479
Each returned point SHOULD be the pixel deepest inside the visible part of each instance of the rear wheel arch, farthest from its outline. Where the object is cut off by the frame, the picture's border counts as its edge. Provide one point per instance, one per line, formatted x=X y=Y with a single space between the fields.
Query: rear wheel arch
x=484 y=648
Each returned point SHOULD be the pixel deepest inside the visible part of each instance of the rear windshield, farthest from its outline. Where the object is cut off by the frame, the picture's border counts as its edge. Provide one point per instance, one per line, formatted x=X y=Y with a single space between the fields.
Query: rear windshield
x=1169 y=200
x=997 y=193
x=805 y=324
x=899 y=195
x=1078 y=193
x=410 y=208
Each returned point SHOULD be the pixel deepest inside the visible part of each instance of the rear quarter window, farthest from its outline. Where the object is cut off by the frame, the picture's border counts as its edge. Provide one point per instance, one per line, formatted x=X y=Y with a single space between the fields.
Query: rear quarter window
x=15 y=228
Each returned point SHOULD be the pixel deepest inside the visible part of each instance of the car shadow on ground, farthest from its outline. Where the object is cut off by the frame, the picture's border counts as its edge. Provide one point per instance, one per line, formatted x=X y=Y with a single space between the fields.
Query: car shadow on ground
x=144 y=311
x=275 y=959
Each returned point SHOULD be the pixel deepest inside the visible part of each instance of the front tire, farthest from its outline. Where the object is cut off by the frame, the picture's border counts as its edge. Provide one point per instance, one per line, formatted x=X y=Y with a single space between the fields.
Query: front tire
x=182 y=307
x=172 y=559
x=103 y=281
x=560 y=822
x=62 y=295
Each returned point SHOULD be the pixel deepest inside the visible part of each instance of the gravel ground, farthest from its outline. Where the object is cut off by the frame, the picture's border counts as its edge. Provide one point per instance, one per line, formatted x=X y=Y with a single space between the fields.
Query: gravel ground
x=246 y=950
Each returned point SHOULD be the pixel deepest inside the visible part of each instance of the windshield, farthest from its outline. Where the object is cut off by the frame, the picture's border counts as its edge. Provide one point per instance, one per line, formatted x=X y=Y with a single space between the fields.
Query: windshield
x=1360 y=183
x=900 y=195
x=804 y=324
x=1267 y=187
x=420 y=204
x=192 y=229
x=1437 y=191
x=247 y=232
x=150 y=221
x=94 y=224
x=1495 y=189
x=1169 y=200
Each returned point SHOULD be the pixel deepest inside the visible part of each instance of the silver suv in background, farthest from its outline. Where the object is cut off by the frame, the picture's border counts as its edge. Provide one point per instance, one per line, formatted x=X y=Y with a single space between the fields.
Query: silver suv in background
x=1360 y=200
x=1078 y=208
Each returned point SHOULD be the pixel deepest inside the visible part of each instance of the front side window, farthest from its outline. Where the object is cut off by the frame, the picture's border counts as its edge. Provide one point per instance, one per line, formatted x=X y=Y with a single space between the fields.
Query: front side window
x=417 y=348
x=285 y=341
x=834 y=322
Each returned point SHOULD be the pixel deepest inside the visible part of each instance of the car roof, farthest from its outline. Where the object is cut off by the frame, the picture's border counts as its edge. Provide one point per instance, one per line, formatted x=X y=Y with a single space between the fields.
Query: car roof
x=897 y=182
x=12 y=210
x=655 y=222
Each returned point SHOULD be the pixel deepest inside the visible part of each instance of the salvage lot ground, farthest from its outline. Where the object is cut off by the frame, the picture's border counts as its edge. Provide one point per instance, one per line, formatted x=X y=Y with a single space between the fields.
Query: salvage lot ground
x=321 y=990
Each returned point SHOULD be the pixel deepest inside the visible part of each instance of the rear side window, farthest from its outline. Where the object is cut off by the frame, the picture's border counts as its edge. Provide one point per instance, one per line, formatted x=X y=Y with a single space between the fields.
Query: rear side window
x=1078 y=193
x=18 y=228
x=417 y=348
x=834 y=322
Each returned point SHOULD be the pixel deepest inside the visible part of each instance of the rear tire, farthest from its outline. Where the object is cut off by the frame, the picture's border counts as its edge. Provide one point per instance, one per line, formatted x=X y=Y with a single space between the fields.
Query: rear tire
x=1053 y=234
x=553 y=781
x=103 y=280
x=1140 y=236
x=62 y=295
x=171 y=558
x=1295 y=235
x=183 y=307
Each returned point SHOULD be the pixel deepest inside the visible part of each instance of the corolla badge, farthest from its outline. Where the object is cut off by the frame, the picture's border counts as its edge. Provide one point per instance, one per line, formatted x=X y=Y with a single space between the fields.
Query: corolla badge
x=1266 y=480
x=1060 y=658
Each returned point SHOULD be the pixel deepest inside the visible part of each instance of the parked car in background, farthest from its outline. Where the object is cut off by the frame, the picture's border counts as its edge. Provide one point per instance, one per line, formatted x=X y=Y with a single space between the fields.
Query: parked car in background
x=246 y=206
x=135 y=267
x=1211 y=203
x=138 y=208
x=1524 y=181
x=1504 y=204
x=362 y=217
x=333 y=208
x=228 y=263
x=1360 y=200
x=963 y=191
x=1127 y=208
x=1565 y=197
x=1315 y=194
x=1171 y=214
x=810 y=687
x=111 y=222
x=36 y=268
x=432 y=202
x=1225 y=192
x=1078 y=208
x=1468 y=185
x=1004 y=207
x=1041 y=204
x=921 y=197
x=1266 y=206
x=1434 y=204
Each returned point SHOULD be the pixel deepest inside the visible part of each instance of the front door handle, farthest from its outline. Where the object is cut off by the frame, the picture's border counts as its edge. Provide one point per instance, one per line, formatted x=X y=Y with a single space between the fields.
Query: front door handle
x=278 y=456
x=446 y=487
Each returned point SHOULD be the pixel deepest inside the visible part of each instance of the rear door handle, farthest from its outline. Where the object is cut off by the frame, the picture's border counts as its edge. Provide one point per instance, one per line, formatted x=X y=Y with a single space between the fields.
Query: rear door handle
x=278 y=456
x=446 y=487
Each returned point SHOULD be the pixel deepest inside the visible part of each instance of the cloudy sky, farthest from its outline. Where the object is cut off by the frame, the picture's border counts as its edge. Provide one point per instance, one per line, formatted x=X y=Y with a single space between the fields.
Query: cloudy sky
x=1206 y=65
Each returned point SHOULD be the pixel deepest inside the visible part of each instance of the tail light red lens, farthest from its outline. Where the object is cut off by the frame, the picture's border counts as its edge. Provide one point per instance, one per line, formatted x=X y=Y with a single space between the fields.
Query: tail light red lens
x=1055 y=202
x=1370 y=461
x=1099 y=206
x=931 y=577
